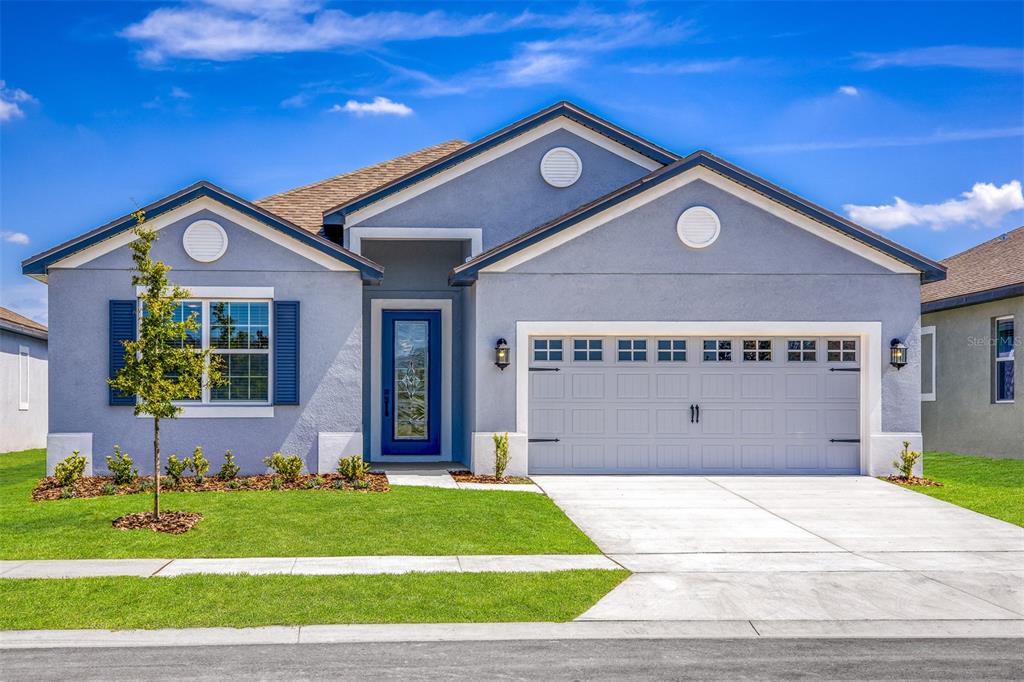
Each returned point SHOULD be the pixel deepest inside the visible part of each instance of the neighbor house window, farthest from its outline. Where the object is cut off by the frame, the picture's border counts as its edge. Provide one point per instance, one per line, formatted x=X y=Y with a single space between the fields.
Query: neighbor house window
x=632 y=350
x=238 y=332
x=801 y=350
x=757 y=350
x=717 y=350
x=841 y=350
x=547 y=350
x=1004 y=359
x=671 y=350
x=587 y=350
x=23 y=369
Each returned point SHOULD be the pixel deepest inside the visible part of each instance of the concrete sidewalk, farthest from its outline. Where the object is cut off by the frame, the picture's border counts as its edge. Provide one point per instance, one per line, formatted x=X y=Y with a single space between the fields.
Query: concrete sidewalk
x=350 y=565
x=481 y=632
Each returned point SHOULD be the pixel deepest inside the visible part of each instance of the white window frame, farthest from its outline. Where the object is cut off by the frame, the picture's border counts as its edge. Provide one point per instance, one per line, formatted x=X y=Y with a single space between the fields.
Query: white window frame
x=589 y=349
x=930 y=331
x=996 y=360
x=633 y=350
x=802 y=351
x=842 y=351
x=547 y=349
x=717 y=351
x=757 y=350
x=24 y=369
x=671 y=350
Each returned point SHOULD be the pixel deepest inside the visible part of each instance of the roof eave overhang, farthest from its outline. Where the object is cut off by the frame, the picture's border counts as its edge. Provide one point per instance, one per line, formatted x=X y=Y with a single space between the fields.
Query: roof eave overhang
x=973 y=298
x=15 y=328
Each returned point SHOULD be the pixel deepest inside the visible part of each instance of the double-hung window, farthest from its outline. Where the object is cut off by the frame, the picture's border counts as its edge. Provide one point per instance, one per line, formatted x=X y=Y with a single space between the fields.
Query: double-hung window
x=1003 y=370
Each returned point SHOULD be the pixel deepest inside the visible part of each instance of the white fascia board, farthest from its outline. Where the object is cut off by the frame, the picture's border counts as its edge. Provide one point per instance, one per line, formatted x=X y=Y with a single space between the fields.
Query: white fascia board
x=184 y=211
x=472 y=163
x=725 y=184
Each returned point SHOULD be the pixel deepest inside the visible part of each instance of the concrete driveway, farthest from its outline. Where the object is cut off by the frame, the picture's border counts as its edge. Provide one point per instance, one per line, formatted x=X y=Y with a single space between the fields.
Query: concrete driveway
x=793 y=548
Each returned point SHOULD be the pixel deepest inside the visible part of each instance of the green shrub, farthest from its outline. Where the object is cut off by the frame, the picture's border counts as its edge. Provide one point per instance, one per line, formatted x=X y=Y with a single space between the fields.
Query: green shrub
x=314 y=482
x=353 y=468
x=67 y=492
x=234 y=484
x=906 y=461
x=275 y=483
x=500 y=455
x=121 y=467
x=109 y=489
x=198 y=464
x=228 y=470
x=338 y=484
x=361 y=485
x=176 y=469
x=69 y=470
x=146 y=485
x=288 y=467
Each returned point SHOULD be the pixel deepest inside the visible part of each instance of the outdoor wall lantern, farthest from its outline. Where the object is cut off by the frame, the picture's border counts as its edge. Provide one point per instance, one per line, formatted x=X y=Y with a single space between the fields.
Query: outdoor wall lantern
x=501 y=360
x=897 y=353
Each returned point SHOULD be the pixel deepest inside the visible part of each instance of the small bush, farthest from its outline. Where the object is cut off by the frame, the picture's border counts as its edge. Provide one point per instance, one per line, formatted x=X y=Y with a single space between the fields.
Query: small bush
x=67 y=492
x=353 y=468
x=121 y=467
x=288 y=467
x=228 y=470
x=361 y=485
x=500 y=455
x=69 y=470
x=275 y=483
x=234 y=484
x=313 y=483
x=198 y=464
x=146 y=485
x=338 y=484
x=906 y=461
x=176 y=469
x=109 y=489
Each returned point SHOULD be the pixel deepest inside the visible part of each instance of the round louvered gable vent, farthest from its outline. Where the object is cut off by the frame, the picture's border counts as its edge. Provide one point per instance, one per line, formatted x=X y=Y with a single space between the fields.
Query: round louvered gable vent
x=205 y=241
x=698 y=227
x=561 y=167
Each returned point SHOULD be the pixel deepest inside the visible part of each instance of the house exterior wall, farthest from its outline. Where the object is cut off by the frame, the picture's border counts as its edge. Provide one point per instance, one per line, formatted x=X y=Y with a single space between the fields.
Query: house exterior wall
x=508 y=195
x=21 y=429
x=964 y=418
x=330 y=352
x=761 y=268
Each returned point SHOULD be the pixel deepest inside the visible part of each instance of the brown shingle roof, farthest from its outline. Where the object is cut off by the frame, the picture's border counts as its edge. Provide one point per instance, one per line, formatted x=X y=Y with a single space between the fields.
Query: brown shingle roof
x=305 y=205
x=997 y=263
x=20 y=320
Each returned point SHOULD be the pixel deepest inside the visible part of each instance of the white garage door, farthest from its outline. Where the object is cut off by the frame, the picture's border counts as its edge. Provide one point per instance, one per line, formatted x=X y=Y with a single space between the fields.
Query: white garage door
x=697 y=405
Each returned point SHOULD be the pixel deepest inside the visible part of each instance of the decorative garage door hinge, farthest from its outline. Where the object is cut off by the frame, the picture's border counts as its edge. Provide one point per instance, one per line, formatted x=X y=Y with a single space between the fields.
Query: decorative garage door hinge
x=541 y=440
x=545 y=369
x=844 y=369
x=844 y=440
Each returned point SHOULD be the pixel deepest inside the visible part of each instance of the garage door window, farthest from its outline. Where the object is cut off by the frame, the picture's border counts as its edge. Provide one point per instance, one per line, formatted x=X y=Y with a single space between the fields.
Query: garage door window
x=547 y=350
x=671 y=350
x=632 y=350
x=802 y=350
x=757 y=350
x=717 y=350
x=587 y=350
x=841 y=350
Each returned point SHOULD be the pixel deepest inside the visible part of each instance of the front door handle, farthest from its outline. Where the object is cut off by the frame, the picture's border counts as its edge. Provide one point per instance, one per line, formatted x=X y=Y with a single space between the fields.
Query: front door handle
x=387 y=402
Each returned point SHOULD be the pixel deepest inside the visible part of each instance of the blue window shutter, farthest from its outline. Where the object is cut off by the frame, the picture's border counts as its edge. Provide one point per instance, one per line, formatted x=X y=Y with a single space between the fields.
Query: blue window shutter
x=286 y=352
x=122 y=328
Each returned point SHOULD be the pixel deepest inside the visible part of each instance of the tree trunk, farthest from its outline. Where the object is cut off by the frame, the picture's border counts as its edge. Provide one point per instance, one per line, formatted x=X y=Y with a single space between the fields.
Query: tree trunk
x=156 y=468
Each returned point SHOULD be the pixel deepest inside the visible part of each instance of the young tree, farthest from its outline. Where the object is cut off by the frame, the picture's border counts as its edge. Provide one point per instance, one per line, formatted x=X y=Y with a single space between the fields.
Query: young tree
x=160 y=365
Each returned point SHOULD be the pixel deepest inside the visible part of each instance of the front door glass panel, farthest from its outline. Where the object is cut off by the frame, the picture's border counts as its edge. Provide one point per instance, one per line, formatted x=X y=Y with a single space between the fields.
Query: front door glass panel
x=412 y=379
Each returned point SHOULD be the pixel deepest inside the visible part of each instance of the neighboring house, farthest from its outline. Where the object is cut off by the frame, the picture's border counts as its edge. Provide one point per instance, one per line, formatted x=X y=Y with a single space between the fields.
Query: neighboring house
x=23 y=400
x=662 y=314
x=971 y=331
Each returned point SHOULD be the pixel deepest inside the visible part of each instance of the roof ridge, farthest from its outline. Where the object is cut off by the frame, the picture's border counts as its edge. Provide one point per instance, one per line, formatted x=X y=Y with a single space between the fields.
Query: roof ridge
x=1002 y=237
x=361 y=169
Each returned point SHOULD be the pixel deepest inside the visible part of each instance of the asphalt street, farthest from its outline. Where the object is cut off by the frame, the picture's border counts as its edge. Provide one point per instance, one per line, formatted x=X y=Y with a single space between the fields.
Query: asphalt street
x=829 y=659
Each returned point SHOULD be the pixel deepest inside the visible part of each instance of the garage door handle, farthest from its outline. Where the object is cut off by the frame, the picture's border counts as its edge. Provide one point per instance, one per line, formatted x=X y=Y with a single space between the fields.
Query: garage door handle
x=387 y=402
x=698 y=414
x=691 y=413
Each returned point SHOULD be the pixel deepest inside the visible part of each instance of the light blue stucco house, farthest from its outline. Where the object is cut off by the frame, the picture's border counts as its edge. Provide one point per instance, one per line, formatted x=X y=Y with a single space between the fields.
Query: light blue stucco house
x=612 y=305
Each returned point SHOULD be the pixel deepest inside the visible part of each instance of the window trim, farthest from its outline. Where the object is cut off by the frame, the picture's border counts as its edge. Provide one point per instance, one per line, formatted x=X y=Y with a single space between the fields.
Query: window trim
x=24 y=376
x=588 y=350
x=548 y=350
x=757 y=350
x=718 y=350
x=842 y=351
x=802 y=350
x=996 y=360
x=926 y=331
x=633 y=350
x=671 y=350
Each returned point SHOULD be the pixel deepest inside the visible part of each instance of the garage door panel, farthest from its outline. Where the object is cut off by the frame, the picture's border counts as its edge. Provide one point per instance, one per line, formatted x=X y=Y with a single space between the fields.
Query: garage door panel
x=776 y=416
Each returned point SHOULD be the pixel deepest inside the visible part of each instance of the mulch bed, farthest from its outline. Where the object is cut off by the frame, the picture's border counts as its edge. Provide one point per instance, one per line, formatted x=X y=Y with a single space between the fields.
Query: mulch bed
x=470 y=477
x=173 y=522
x=94 y=486
x=913 y=480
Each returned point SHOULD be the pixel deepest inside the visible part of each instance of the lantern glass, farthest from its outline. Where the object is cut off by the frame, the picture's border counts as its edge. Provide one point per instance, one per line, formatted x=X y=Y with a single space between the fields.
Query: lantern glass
x=897 y=354
x=501 y=354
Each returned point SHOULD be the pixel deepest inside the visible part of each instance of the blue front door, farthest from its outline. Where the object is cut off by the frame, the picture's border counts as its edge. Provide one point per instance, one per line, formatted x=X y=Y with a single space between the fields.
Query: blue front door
x=411 y=382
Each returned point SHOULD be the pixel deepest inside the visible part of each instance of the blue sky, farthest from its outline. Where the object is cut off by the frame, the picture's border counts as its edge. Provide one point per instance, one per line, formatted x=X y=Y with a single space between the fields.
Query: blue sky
x=108 y=105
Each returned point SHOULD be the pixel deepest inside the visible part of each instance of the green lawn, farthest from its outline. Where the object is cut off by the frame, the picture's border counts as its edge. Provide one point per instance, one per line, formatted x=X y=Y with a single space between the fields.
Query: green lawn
x=245 y=601
x=994 y=487
x=412 y=521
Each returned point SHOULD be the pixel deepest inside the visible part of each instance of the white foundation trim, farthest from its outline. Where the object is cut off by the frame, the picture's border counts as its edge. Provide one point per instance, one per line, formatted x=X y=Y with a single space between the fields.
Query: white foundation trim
x=60 y=446
x=474 y=235
x=212 y=411
x=722 y=183
x=470 y=164
x=223 y=292
x=332 y=446
x=869 y=334
x=377 y=306
x=191 y=208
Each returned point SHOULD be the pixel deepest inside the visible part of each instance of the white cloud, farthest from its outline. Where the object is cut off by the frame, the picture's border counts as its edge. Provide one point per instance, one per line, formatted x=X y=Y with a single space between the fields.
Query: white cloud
x=693 y=66
x=179 y=93
x=380 y=106
x=983 y=204
x=848 y=90
x=19 y=238
x=938 y=137
x=958 y=56
x=11 y=100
